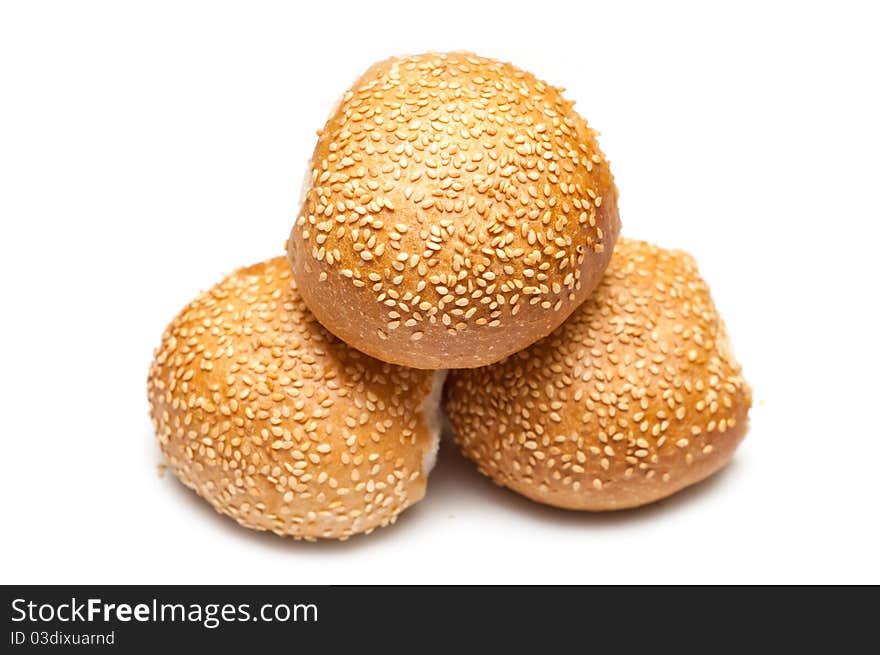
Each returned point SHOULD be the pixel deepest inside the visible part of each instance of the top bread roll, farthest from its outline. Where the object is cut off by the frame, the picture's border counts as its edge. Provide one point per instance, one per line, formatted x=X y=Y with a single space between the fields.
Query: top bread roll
x=458 y=210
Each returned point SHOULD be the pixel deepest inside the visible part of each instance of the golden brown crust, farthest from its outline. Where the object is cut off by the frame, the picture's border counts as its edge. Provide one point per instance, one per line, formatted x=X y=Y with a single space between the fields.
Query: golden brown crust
x=459 y=210
x=634 y=397
x=276 y=422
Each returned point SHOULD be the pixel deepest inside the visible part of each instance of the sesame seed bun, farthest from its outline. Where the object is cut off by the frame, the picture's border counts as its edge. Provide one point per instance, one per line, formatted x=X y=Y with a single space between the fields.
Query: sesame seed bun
x=458 y=210
x=633 y=398
x=278 y=424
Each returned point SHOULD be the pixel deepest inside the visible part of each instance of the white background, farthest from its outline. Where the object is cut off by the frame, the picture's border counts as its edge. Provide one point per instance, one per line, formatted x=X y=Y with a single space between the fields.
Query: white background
x=146 y=149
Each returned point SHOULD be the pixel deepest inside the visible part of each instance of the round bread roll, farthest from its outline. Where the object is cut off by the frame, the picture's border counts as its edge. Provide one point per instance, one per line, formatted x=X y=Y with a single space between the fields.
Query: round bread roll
x=458 y=209
x=278 y=424
x=633 y=398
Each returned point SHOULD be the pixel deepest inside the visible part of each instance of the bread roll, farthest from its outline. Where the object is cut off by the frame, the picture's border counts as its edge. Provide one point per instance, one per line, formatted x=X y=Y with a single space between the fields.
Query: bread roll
x=280 y=425
x=458 y=210
x=636 y=396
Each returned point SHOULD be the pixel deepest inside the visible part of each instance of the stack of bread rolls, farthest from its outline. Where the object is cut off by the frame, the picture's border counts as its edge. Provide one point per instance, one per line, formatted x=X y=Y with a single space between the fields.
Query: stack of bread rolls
x=456 y=250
